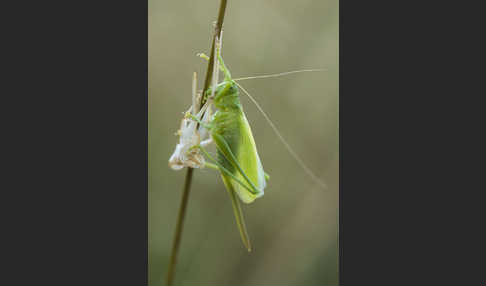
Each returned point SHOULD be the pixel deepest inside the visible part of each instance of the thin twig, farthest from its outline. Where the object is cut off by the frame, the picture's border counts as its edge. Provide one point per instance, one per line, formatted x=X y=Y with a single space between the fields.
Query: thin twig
x=217 y=32
x=188 y=180
x=180 y=223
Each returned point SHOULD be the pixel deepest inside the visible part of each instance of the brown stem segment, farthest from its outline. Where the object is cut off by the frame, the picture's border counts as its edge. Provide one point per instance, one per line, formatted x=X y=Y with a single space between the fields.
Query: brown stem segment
x=180 y=224
x=188 y=180
x=217 y=32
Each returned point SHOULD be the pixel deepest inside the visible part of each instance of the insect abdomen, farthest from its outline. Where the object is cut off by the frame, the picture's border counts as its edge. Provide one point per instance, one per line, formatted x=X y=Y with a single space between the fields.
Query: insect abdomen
x=228 y=126
x=234 y=128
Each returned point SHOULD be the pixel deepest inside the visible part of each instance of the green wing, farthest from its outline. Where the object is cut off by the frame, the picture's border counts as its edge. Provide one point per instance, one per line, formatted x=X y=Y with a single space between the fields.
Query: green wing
x=241 y=159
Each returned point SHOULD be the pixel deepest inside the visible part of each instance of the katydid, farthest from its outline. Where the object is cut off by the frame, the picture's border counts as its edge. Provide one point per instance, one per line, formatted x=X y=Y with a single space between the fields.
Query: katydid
x=237 y=157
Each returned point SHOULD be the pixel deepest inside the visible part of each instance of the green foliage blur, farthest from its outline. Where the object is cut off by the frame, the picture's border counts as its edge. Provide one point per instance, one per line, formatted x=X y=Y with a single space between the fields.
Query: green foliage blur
x=294 y=227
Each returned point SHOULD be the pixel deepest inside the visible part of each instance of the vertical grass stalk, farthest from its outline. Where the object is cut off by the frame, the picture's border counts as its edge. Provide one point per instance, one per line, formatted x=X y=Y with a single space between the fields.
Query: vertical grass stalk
x=188 y=180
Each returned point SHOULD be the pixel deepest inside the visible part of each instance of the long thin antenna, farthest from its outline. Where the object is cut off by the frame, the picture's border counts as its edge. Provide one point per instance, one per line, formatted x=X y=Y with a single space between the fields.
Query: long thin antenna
x=278 y=74
x=291 y=151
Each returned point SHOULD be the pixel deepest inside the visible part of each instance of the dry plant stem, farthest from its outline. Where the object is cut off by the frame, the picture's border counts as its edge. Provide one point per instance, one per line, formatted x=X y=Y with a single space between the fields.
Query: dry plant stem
x=180 y=223
x=188 y=180
x=217 y=32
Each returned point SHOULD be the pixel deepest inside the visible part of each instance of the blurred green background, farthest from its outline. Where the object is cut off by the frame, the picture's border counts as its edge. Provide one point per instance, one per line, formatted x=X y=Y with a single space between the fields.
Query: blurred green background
x=294 y=226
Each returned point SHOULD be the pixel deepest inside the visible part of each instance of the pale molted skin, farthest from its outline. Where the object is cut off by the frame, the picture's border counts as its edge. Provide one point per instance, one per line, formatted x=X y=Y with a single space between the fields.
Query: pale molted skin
x=190 y=135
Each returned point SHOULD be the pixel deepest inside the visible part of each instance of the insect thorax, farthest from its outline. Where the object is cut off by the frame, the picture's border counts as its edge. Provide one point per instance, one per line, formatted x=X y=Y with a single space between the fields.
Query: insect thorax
x=227 y=96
